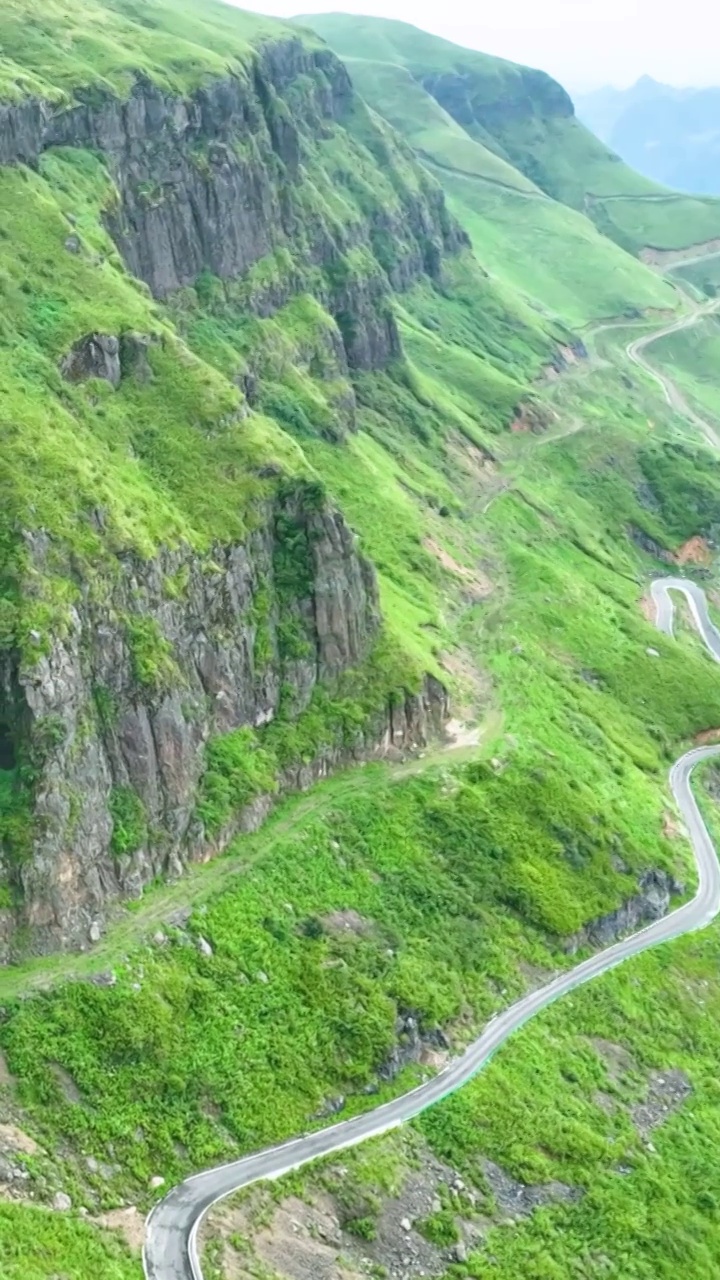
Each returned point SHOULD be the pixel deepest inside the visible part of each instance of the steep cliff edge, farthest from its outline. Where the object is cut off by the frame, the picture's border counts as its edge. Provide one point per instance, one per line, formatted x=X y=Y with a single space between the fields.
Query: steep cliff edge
x=215 y=181
x=115 y=719
x=186 y=622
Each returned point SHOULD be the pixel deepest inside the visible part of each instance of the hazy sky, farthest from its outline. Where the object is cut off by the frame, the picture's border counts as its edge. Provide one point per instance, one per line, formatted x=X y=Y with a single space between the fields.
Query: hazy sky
x=581 y=42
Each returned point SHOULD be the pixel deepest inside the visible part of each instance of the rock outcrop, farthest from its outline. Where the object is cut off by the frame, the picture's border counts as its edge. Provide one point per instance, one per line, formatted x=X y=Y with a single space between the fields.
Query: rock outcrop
x=215 y=181
x=650 y=903
x=105 y=715
x=183 y=649
x=95 y=356
x=412 y=1043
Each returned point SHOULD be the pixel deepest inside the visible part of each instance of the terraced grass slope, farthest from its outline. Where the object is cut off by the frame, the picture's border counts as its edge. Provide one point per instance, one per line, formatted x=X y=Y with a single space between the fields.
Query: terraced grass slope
x=521 y=115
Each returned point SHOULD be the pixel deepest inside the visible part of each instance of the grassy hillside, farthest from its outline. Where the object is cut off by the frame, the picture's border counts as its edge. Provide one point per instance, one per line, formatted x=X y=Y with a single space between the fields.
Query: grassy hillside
x=550 y=253
x=36 y=1243
x=703 y=275
x=564 y=1106
x=52 y=49
x=541 y=248
x=521 y=115
x=250 y=1000
x=430 y=130
x=434 y=891
x=691 y=358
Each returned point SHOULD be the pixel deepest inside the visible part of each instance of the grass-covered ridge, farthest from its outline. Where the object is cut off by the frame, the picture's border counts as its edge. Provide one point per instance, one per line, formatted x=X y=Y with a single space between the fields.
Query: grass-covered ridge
x=488 y=117
x=52 y=50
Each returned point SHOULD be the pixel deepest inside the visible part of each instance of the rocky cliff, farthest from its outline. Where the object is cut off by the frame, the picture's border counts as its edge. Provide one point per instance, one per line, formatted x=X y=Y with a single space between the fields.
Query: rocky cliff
x=217 y=180
x=139 y=627
x=651 y=902
x=113 y=719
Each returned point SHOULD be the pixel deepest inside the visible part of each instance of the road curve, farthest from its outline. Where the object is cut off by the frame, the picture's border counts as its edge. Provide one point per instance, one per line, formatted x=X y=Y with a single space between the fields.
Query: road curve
x=673 y=397
x=171 y=1249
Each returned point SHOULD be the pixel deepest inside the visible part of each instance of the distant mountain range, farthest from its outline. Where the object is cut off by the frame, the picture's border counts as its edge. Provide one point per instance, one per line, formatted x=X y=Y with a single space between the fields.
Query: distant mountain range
x=669 y=134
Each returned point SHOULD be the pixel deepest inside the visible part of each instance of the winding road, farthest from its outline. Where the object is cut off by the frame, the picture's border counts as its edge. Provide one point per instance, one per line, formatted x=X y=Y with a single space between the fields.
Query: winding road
x=171 y=1251
x=671 y=393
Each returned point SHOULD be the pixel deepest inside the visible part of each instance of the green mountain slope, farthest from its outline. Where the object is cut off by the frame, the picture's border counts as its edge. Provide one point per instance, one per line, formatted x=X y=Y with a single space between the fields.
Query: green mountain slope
x=536 y=245
x=175 y=351
x=291 y=480
x=528 y=120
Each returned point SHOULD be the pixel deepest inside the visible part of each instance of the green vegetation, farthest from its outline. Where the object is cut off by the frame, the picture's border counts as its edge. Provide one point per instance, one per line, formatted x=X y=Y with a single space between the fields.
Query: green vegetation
x=36 y=1243
x=551 y=253
x=53 y=49
x=129 y=821
x=247 y=762
x=703 y=274
x=243 y=1047
x=690 y=357
x=150 y=653
x=165 y=460
x=662 y=1010
x=688 y=492
x=15 y=815
x=511 y=565
x=671 y=223
x=440 y=1228
x=431 y=131
x=481 y=120
x=563 y=1102
x=453 y=878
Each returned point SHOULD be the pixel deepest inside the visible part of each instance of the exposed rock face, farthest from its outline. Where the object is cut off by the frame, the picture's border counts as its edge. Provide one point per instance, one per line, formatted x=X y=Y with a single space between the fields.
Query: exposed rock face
x=651 y=903
x=211 y=183
x=96 y=356
x=160 y=655
x=412 y=1043
x=98 y=719
x=133 y=355
x=518 y=1199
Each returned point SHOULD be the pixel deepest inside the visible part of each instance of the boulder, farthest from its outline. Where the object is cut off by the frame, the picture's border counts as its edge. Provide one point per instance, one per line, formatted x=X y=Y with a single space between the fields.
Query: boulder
x=97 y=355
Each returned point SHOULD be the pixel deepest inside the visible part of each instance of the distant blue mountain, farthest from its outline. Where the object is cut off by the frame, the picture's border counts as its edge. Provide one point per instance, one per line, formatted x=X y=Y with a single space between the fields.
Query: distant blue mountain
x=669 y=134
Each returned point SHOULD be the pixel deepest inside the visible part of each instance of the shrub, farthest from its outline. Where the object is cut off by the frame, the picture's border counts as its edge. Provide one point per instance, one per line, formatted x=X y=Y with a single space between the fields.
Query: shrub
x=440 y=1228
x=129 y=821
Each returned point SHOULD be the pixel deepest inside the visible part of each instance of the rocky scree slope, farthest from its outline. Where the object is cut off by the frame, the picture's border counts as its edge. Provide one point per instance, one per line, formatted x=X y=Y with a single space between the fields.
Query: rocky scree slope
x=175 y=581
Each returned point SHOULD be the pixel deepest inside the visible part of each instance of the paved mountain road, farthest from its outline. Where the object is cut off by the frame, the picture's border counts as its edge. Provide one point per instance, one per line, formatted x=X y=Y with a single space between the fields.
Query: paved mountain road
x=171 y=1250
